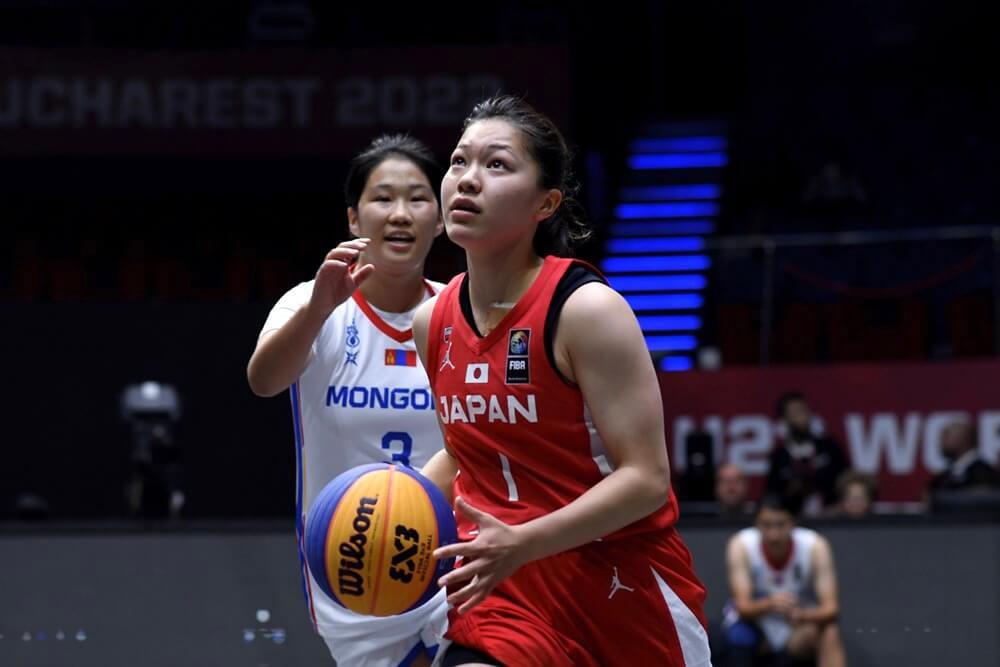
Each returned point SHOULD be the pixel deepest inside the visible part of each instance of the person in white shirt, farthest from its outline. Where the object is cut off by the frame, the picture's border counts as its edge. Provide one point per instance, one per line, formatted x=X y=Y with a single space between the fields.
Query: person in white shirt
x=784 y=592
x=341 y=343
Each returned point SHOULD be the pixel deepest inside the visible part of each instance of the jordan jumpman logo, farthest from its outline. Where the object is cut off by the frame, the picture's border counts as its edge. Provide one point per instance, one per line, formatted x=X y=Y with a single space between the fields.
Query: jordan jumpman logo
x=617 y=585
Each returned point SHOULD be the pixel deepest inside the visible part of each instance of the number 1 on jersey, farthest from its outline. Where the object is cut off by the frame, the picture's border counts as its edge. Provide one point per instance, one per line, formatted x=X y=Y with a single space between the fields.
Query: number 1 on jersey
x=511 y=485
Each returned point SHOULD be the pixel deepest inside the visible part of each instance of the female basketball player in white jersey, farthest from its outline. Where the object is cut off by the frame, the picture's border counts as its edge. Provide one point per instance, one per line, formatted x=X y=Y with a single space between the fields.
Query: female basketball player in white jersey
x=554 y=425
x=343 y=346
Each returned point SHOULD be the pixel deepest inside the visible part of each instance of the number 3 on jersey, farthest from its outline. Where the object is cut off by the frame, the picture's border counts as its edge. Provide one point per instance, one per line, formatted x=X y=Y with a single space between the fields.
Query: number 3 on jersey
x=405 y=443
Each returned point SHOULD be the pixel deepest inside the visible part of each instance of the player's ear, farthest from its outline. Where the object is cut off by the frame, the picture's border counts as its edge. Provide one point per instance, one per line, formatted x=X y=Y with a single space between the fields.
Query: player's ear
x=439 y=226
x=353 y=223
x=549 y=204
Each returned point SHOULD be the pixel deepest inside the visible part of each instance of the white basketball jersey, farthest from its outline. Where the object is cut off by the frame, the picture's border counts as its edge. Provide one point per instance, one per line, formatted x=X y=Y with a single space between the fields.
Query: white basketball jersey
x=794 y=576
x=363 y=398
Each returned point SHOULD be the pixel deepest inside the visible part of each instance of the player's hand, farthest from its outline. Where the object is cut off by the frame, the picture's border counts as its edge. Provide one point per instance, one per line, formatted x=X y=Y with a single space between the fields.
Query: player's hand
x=495 y=554
x=336 y=279
x=784 y=603
x=796 y=616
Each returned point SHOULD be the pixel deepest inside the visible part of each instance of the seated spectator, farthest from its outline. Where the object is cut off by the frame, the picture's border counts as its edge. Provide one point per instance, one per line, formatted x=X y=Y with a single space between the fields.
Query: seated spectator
x=731 y=492
x=856 y=492
x=804 y=464
x=967 y=475
x=783 y=584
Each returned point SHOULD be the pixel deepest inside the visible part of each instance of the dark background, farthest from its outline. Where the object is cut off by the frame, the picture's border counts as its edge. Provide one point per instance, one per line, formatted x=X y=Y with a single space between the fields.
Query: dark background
x=122 y=269
x=122 y=264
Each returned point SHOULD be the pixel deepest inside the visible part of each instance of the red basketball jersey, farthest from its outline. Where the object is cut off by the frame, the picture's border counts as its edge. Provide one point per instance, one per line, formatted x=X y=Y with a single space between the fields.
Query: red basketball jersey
x=510 y=418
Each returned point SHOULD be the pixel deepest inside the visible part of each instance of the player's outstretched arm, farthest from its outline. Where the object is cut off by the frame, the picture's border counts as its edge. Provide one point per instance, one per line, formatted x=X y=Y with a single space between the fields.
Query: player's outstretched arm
x=282 y=354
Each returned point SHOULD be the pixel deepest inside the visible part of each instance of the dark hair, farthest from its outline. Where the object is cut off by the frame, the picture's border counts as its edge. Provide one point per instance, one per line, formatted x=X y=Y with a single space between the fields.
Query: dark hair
x=790 y=503
x=381 y=149
x=786 y=398
x=849 y=477
x=557 y=234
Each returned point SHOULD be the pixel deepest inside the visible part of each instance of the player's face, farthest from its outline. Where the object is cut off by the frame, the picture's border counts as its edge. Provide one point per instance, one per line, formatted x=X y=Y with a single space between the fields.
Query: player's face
x=398 y=211
x=775 y=527
x=491 y=192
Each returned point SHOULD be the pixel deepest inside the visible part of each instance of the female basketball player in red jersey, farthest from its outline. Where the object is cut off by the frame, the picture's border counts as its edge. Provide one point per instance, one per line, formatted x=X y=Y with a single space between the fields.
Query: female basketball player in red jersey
x=553 y=426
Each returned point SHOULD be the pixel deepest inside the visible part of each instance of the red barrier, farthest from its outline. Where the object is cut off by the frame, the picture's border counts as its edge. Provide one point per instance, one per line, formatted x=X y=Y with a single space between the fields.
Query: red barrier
x=887 y=417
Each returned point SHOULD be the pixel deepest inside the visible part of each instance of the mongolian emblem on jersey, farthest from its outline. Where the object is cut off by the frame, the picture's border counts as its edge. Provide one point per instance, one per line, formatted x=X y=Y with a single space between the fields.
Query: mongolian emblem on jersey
x=518 y=366
x=353 y=342
x=477 y=373
x=400 y=358
x=446 y=339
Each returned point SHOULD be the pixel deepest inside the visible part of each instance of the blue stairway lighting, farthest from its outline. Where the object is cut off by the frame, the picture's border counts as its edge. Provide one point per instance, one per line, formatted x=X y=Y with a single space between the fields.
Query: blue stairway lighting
x=658 y=283
x=676 y=364
x=679 y=145
x=657 y=253
x=647 y=246
x=671 y=192
x=678 y=161
x=653 y=302
x=689 y=209
x=669 y=322
x=660 y=227
x=663 y=263
x=671 y=343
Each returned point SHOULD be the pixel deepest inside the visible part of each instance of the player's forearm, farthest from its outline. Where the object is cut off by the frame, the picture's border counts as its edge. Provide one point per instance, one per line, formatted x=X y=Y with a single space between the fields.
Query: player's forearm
x=622 y=498
x=441 y=469
x=753 y=609
x=824 y=613
x=280 y=357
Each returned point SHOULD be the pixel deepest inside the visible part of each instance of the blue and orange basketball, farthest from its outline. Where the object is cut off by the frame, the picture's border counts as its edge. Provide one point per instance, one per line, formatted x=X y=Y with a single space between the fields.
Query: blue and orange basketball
x=371 y=535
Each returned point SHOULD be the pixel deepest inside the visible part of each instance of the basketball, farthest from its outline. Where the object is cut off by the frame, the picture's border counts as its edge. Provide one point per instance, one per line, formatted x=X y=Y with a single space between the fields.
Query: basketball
x=371 y=535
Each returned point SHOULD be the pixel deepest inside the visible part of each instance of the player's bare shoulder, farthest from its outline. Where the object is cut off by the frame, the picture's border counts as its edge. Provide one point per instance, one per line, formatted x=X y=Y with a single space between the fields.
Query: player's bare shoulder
x=422 y=322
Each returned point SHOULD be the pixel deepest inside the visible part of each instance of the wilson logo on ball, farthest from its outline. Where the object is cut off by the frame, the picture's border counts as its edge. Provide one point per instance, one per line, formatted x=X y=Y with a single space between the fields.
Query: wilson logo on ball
x=371 y=535
x=351 y=581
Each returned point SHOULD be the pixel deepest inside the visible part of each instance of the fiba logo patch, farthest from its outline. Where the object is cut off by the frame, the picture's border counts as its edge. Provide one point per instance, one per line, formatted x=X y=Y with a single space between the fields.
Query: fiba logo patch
x=518 y=362
x=353 y=342
x=518 y=345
